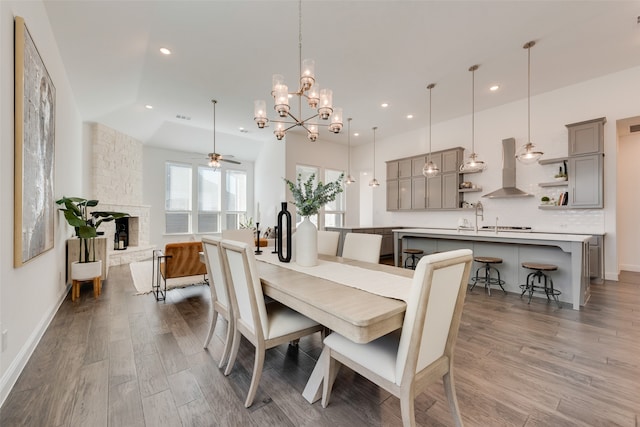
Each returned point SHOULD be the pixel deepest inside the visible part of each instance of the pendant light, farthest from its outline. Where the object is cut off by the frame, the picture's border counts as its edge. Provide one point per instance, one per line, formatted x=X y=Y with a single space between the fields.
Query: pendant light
x=528 y=153
x=374 y=182
x=473 y=164
x=350 y=179
x=430 y=169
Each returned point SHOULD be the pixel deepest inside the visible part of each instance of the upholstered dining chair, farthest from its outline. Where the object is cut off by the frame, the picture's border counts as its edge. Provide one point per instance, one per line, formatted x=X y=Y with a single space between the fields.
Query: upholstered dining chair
x=406 y=361
x=362 y=247
x=264 y=325
x=245 y=235
x=328 y=242
x=220 y=301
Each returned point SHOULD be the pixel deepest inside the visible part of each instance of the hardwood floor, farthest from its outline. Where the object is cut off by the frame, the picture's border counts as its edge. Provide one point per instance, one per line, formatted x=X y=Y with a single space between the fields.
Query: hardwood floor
x=126 y=360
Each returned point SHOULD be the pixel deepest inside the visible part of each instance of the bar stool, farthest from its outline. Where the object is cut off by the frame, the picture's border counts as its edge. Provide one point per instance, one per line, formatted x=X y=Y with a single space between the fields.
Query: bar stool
x=412 y=260
x=483 y=274
x=538 y=273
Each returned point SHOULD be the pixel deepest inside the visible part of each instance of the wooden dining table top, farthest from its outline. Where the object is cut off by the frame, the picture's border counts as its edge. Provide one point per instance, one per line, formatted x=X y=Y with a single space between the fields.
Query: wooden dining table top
x=356 y=314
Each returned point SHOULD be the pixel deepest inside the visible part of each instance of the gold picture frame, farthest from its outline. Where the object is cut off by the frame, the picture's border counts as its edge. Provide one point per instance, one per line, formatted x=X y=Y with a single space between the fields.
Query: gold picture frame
x=34 y=129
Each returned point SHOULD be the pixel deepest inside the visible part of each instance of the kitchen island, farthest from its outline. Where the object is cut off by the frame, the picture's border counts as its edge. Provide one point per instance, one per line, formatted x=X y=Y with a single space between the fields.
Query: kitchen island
x=570 y=252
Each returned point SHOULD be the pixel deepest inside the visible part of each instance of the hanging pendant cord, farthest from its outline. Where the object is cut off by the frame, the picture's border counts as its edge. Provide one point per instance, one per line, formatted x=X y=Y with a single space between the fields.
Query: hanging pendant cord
x=374 y=151
x=300 y=55
x=349 y=146
x=529 y=92
x=431 y=86
x=214 y=125
x=473 y=108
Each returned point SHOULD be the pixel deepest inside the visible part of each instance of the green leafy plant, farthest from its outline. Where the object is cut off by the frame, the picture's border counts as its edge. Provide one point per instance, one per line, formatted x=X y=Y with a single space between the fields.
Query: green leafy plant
x=308 y=200
x=76 y=212
x=247 y=222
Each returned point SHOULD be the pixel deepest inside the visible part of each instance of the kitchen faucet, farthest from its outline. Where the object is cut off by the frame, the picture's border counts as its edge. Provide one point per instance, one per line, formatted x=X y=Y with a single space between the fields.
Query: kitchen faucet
x=479 y=213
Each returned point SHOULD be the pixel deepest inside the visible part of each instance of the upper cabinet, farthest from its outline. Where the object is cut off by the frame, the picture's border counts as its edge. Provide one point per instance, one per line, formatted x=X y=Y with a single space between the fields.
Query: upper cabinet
x=586 y=137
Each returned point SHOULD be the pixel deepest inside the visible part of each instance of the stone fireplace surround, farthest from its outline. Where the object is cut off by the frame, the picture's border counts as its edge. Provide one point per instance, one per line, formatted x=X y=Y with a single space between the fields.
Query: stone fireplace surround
x=117 y=184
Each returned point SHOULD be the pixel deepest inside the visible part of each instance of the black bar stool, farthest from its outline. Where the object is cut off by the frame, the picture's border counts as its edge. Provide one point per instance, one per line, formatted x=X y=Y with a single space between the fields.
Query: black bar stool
x=538 y=273
x=412 y=260
x=483 y=274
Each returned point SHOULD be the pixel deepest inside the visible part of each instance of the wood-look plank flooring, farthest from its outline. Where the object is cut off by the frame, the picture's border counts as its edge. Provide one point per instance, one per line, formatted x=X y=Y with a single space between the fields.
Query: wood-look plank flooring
x=127 y=360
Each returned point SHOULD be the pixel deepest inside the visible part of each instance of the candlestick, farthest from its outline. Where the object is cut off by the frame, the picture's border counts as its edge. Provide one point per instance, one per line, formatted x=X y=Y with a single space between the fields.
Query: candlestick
x=275 y=240
x=258 y=250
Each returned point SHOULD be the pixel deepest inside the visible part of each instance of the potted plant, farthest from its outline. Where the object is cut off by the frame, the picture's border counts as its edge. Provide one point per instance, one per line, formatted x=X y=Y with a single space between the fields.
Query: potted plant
x=308 y=201
x=76 y=212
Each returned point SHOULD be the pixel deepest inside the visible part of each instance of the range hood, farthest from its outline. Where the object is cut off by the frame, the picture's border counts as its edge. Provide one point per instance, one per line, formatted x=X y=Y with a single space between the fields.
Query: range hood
x=508 y=173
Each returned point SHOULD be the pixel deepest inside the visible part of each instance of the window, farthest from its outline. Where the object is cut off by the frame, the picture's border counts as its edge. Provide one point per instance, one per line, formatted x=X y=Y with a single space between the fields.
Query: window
x=209 y=200
x=216 y=201
x=178 y=200
x=235 y=198
x=334 y=211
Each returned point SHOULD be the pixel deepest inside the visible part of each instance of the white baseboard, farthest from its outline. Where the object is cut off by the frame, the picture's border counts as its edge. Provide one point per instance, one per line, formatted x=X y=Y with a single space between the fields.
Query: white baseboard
x=11 y=375
x=630 y=267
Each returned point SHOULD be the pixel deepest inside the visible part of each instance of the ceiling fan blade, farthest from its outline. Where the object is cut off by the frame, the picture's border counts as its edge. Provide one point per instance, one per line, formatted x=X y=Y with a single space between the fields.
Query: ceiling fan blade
x=229 y=161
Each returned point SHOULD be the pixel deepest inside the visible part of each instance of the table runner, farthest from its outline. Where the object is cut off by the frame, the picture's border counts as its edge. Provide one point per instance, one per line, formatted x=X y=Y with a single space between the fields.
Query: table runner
x=376 y=282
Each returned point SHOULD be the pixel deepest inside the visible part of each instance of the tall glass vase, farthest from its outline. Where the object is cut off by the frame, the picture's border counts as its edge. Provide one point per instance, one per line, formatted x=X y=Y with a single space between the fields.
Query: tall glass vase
x=306 y=243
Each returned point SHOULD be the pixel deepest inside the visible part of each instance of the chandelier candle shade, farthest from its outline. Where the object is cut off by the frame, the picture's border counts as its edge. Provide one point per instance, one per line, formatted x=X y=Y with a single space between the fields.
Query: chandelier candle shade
x=473 y=164
x=430 y=169
x=320 y=100
x=374 y=182
x=528 y=153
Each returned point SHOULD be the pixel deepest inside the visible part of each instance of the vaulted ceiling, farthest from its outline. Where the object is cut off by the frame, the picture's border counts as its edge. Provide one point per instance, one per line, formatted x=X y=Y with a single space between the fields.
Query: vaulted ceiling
x=368 y=52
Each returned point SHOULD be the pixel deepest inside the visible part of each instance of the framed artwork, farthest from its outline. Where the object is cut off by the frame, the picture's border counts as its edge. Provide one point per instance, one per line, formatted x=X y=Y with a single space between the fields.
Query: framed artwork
x=34 y=106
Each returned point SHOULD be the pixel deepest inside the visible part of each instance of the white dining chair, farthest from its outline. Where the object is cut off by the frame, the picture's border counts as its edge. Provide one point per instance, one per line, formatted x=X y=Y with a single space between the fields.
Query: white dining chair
x=264 y=325
x=328 y=242
x=362 y=247
x=245 y=235
x=220 y=301
x=406 y=361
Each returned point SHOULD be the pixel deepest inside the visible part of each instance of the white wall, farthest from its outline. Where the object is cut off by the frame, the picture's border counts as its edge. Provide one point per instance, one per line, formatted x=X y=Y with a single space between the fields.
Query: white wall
x=629 y=202
x=269 y=186
x=31 y=294
x=153 y=188
x=614 y=97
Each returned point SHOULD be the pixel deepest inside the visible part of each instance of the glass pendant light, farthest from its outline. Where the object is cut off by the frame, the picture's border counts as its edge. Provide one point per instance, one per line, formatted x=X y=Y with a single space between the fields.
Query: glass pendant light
x=430 y=169
x=374 y=182
x=528 y=153
x=350 y=179
x=473 y=164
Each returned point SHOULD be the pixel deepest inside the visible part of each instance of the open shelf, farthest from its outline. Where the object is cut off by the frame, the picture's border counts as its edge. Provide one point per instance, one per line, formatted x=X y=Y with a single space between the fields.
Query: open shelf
x=553 y=207
x=469 y=190
x=554 y=184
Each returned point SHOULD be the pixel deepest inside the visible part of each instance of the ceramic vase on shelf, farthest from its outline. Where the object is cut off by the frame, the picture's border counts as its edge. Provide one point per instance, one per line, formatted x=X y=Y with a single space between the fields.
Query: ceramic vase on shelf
x=306 y=243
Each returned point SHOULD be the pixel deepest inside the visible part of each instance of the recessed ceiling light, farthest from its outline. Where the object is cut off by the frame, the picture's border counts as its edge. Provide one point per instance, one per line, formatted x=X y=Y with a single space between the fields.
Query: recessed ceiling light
x=148 y=107
x=409 y=116
x=165 y=51
x=494 y=88
x=356 y=134
x=384 y=105
x=243 y=130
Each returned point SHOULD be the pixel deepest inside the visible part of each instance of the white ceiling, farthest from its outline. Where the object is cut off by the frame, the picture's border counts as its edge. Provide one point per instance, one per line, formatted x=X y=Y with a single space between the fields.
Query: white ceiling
x=368 y=52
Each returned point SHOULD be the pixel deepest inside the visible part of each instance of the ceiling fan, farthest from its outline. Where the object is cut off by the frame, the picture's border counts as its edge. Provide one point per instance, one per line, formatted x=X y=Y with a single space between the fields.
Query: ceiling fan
x=215 y=158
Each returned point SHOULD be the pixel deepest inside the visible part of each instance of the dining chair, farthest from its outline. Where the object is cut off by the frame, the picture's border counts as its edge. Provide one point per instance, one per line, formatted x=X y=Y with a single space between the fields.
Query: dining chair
x=245 y=235
x=220 y=301
x=264 y=325
x=328 y=242
x=362 y=247
x=406 y=361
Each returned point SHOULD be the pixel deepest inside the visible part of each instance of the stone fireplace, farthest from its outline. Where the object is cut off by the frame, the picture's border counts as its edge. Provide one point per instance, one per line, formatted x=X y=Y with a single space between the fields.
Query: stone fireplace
x=117 y=184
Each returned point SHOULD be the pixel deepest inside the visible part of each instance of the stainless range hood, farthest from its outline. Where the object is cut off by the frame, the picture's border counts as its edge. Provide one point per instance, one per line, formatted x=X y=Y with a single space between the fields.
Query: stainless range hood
x=508 y=173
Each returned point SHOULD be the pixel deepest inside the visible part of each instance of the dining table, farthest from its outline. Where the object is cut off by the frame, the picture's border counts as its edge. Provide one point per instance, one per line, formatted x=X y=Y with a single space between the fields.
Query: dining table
x=359 y=300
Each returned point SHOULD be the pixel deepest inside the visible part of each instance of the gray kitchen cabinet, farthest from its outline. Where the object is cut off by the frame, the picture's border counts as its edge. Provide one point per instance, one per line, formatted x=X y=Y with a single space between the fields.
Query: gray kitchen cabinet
x=417 y=164
x=404 y=194
x=404 y=168
x=418 y=192
x=596 y=258
x=434 y=192
x=586 y=137
x=450 y=194
x=451 y=161
x=392 y=194
x=586 y=182
x=392 y=170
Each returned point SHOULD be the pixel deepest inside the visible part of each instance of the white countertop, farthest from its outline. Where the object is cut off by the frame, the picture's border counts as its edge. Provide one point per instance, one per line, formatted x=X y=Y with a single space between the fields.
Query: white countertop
x=490 y=234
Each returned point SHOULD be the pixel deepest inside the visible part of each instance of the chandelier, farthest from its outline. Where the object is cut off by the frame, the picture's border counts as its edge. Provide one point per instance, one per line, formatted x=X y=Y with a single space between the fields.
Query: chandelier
x=317 y=99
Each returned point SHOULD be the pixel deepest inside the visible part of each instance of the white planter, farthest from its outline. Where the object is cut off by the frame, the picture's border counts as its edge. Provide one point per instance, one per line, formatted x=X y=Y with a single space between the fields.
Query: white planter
x=86 y=270
x=306 y=244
